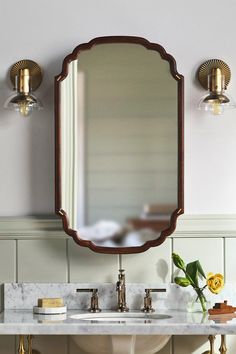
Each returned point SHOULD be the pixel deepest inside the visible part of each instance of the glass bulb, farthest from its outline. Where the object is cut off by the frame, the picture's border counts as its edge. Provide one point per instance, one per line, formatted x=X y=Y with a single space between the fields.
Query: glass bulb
x=217 y=108
x=24 y=109
x=24 y=104
x=216 y=103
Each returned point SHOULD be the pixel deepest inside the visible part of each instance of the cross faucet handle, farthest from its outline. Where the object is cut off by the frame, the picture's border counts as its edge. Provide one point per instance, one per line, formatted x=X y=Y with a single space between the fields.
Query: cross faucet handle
x=94 y=299
x=148 y=299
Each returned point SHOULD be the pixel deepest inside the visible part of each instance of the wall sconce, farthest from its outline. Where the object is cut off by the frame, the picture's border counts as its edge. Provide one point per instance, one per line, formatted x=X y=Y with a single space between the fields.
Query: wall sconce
x=214 y=75
x=26 y=76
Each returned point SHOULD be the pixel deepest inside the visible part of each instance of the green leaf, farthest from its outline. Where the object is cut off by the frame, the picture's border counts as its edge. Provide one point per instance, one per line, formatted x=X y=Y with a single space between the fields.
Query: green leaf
x=182 y=281
x=192 y=271
x=200 y=270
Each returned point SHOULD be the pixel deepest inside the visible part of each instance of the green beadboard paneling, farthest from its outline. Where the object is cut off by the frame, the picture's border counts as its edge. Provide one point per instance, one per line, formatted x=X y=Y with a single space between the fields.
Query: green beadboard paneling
x=7 y=344
x=193 y=344
x=230 y=260
x=151 y=266
x=51 y=344
x=7 y=261
x=7 y=265
x=42 y=261
x=194 y=248
x=88 y=266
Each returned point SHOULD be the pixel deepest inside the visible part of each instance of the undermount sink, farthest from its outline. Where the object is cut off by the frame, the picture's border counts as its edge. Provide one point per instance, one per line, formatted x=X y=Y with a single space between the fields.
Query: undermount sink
x=120 y=344
x=120 y=317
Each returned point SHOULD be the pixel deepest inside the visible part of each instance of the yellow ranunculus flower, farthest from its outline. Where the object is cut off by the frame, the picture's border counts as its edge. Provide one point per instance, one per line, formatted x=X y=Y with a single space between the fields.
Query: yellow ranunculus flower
x=215 y=282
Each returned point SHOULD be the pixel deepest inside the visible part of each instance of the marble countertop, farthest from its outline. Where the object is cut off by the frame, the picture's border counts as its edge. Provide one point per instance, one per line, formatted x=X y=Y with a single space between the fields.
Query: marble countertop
x=180 y=323
x=19 y=299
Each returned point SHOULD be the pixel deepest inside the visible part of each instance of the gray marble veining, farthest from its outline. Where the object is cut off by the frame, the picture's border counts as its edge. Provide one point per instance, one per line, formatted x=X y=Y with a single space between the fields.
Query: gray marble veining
x=25 y=295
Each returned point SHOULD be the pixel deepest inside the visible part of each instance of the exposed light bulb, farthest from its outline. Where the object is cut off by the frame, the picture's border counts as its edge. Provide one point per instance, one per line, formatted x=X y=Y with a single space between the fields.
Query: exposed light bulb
x=217 y=109
x=24 y=109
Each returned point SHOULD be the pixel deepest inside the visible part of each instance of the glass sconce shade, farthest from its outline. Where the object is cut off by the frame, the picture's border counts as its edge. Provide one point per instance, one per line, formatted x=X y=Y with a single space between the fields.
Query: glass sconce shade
x=26 y=76
x=23 y=104
x=214 y=75
x=216 y=103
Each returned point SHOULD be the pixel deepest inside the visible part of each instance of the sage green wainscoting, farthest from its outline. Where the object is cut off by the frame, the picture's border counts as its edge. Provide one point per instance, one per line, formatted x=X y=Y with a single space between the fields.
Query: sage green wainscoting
x=36 y=250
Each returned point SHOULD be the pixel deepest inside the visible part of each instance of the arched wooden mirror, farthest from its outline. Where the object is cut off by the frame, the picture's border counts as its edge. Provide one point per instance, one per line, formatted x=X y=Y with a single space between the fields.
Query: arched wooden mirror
x=119 y=144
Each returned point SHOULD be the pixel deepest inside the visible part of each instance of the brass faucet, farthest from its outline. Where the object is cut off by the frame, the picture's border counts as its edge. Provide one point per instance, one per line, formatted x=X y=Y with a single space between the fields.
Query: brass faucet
x=121 y=291
x=94 y=299
x=148 y=299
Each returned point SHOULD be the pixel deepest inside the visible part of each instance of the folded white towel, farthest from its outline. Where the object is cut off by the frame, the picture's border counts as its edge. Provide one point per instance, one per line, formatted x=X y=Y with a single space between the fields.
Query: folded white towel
x=103 y=229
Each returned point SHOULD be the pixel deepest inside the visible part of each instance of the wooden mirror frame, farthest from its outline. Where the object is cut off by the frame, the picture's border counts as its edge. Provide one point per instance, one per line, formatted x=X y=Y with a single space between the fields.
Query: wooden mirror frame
x=180 y=81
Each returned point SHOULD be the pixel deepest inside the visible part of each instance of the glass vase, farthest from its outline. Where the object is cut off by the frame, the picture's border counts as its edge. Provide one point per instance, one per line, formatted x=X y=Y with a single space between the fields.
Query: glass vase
x=200 y=304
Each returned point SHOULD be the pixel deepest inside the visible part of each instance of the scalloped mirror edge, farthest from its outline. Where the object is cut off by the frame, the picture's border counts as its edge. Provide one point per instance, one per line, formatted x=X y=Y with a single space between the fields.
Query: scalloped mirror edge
x=58 y=173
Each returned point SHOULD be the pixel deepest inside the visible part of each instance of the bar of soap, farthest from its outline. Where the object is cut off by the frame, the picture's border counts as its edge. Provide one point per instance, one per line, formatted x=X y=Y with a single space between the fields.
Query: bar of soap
x=50 y=302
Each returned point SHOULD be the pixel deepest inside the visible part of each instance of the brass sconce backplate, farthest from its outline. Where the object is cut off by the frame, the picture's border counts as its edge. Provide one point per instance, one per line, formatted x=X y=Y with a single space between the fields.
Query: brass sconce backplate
x=206 y=68
x=34 y=71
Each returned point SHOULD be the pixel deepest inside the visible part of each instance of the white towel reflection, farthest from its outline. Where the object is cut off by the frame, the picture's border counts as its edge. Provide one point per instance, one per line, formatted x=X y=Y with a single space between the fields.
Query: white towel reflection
x=111 y=234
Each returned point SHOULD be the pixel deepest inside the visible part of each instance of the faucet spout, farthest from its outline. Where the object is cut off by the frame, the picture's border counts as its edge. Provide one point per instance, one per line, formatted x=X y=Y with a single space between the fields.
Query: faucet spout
x=121 y=291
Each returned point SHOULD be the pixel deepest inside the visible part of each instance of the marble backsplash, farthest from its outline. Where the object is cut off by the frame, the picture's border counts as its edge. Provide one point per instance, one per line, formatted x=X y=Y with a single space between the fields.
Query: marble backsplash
x=25 y=295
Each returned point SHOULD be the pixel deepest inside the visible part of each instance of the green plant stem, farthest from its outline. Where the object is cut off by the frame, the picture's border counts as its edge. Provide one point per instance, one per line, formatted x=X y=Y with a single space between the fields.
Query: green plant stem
x=202 y=299
x=198 y=290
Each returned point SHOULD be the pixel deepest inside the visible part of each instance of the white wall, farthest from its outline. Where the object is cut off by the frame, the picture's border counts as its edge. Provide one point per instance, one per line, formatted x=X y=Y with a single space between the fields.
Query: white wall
x=45 y=31
x=50 y=31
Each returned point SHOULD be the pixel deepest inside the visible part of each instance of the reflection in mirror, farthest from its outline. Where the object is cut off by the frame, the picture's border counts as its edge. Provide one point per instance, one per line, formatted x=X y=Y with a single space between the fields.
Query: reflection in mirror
x=119 y=145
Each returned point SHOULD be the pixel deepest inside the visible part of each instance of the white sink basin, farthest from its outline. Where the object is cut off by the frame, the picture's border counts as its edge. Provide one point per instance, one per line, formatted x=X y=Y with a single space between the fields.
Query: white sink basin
x=120 y=317
x=120 y=344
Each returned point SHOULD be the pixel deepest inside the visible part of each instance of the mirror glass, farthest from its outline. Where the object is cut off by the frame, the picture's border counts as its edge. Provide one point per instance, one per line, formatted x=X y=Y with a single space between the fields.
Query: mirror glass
x=119 y=145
